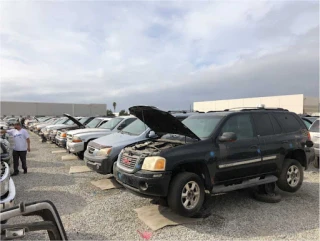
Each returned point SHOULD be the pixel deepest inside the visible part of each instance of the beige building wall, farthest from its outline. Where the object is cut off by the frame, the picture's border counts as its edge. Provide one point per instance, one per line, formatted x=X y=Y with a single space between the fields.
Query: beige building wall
x=295 y=103
x=34 y=108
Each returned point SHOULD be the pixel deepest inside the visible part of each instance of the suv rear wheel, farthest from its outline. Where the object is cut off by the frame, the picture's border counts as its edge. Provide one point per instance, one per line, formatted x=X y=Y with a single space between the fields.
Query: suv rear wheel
x=291 y=176
x=186 y=194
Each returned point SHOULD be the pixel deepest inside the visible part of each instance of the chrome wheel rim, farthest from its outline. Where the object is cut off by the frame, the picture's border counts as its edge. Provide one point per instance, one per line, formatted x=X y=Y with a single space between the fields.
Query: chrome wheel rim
x=293 y=176
x=190 y=195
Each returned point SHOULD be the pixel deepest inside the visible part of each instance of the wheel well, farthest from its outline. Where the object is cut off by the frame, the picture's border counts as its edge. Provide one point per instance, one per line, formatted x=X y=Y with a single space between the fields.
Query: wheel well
x=298 y=155
x=198 y=168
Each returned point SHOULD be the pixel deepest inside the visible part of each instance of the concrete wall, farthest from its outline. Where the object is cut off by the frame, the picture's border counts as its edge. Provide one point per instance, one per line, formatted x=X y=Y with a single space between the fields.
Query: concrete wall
x=32 y=108
x=293 y=103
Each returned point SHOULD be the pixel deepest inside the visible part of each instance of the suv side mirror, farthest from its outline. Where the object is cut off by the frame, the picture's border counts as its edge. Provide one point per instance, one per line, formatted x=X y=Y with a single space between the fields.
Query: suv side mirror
x=309 y=143
x=152 y=134
x=228 y=137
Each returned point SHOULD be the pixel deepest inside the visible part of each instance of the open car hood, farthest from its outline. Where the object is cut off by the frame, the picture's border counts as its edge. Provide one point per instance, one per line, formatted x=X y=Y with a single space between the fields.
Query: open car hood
x=74 y=120
x=161 y=122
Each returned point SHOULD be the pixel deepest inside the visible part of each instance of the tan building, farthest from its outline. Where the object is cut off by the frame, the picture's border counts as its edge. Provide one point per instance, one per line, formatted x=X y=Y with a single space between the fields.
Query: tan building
x=296 y=103
x=37 y=109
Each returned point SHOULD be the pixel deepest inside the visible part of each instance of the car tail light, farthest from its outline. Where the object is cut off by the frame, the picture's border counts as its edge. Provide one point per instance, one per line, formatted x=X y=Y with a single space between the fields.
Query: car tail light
x=309 y=136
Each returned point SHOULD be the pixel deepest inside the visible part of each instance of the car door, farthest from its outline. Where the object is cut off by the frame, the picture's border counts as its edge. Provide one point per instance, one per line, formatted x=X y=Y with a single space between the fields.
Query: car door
x=240 y=158
x=269 y=135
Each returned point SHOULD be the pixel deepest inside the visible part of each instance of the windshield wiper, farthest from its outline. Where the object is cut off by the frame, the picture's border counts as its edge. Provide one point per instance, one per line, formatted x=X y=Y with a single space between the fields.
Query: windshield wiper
x=126 y=132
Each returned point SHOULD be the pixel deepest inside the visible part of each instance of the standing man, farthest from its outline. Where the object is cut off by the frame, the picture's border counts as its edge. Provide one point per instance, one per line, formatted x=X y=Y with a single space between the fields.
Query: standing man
x=20 y=147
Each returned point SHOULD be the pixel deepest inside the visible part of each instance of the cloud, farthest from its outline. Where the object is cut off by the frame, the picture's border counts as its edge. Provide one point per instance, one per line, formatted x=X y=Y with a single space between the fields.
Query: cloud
x=166 y=54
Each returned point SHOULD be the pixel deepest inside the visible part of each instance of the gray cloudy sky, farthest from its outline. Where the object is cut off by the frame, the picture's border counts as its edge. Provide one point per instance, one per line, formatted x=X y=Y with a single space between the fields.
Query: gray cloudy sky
x=165 y=54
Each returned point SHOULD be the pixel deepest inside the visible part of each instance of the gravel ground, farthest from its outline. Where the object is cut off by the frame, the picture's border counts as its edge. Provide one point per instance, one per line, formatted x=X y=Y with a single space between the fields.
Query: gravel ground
x=89 y=213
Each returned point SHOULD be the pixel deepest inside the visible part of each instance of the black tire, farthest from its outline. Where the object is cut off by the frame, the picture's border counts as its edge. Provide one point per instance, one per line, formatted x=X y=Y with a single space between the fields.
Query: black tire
x=282 y=182
x=177 y=186
x=316 y=162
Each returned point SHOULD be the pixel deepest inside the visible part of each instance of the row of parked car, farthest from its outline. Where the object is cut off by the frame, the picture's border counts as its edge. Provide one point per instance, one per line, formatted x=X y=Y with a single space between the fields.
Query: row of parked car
x=177 y=156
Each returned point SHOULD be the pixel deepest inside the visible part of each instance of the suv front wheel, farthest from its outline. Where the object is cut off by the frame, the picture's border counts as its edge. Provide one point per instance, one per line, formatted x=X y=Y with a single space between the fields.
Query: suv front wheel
x=291 y=176
x=186 y=194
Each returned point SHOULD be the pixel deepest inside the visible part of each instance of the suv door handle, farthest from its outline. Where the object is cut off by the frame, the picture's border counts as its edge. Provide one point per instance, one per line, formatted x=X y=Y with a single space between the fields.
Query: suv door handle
x=254 y=147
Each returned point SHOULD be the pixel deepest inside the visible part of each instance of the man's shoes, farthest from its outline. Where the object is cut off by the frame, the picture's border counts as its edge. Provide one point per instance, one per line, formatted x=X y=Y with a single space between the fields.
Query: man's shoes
x=25 y=171
x=15 y=173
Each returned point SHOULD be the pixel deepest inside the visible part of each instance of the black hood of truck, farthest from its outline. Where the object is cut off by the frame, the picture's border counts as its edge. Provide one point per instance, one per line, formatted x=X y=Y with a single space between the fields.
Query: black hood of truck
x=74 y=120
x=161 y=122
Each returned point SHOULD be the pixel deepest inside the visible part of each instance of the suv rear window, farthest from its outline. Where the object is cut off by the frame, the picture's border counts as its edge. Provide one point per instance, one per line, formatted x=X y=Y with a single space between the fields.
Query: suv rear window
x=263 y=124
x=288 y=122
x=314 y=127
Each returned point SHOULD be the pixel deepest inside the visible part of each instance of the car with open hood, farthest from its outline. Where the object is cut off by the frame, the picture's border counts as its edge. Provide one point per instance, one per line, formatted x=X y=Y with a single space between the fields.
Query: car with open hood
x=77 y=143
x=83 y=123
x=102 y=152
x=72 y=124
x=216 y=152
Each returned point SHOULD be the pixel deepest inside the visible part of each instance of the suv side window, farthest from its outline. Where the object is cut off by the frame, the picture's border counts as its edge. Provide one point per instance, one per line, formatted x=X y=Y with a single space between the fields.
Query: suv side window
x=288 y=122
x=239 y=124
x=263 y=124
x=275 y=124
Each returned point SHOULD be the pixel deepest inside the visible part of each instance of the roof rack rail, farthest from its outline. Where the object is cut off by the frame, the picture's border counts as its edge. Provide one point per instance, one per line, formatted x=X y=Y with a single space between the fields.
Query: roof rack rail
x=255 y=108
x=178 y=111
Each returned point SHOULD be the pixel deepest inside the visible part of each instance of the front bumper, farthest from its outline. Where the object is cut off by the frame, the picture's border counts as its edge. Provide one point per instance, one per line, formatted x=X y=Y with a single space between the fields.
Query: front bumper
x=144 y=183
x=8 y=201
x=75 y=147
x=100 y=164
x=62 y=142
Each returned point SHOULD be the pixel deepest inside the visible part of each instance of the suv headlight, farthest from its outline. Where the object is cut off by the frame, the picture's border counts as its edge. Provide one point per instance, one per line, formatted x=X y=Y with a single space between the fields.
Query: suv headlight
x=104 y=151
x=76 y=139
x=154 y=163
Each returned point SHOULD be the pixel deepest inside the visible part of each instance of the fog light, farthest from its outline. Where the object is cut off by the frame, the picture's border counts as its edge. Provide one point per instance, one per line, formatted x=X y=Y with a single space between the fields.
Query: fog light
x=143 y=186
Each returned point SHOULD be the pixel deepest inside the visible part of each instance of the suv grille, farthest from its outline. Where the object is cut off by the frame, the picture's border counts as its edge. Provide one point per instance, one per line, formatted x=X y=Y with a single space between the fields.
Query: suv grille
x=3 y=169
x=128 y=161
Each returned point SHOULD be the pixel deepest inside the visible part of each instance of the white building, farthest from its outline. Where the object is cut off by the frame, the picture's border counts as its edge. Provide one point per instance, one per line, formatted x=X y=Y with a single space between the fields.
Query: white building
x=299 y=103
x=51 y=109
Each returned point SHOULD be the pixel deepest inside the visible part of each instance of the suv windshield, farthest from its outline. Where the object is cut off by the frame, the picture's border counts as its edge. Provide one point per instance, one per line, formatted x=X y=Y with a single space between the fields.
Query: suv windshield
x=84 y=119
x=111 y=123
x=314 y=127
x=202 y=125
x=135 y=128
x=93 y=123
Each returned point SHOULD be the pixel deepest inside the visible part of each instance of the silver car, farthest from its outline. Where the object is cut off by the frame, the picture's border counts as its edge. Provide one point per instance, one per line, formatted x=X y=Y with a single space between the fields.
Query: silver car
x=101 y=153
x=315 y=137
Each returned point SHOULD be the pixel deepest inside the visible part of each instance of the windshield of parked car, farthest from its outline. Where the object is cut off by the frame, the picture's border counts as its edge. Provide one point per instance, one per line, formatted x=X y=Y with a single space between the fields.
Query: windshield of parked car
x=83 y=120
x=314 y=127
x=93 y=123
x=202 y=125
x=135 y=128
x=111 y=124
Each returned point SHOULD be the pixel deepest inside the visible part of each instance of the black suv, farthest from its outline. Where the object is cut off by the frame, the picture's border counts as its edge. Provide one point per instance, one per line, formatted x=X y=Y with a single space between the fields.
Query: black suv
x=218 y=151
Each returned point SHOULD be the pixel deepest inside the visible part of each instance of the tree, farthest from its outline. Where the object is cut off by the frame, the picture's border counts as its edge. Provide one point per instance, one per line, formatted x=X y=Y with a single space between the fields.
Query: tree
x=110 y=113
x=123 y=112
x=114 y=106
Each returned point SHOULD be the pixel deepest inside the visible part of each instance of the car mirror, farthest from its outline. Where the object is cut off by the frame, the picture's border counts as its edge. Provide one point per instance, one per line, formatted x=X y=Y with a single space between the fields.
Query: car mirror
x=309 y=143
x=228 y=137
x=152 y=134
x=121 y=126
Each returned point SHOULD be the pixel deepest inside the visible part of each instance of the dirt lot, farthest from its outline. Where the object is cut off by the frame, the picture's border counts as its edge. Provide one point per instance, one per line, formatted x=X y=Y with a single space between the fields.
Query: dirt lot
x=89 y=213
